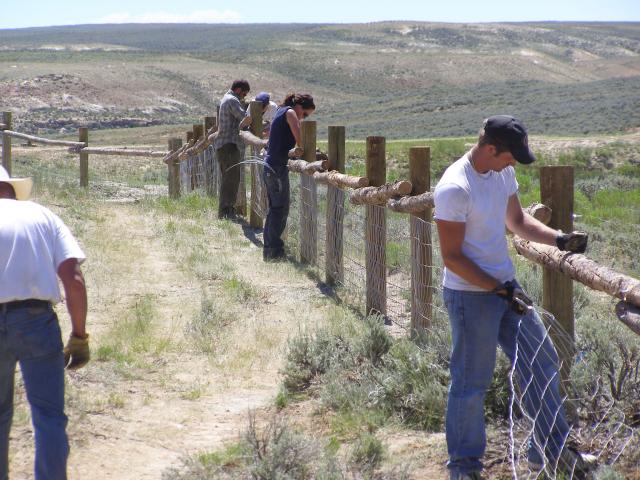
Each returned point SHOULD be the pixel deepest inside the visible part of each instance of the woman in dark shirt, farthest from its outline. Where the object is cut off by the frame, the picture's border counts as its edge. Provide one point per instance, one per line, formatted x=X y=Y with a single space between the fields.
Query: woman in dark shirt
x=284 y=135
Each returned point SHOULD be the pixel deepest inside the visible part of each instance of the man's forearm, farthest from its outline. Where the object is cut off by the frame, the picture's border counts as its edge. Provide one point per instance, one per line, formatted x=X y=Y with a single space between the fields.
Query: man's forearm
x=534 y=230
x=462 y=266
x=75 y=293
x=76 y=299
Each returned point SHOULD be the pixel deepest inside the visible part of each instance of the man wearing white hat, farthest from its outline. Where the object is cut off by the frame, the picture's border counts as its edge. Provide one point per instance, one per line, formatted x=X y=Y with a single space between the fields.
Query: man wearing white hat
x=35 y=249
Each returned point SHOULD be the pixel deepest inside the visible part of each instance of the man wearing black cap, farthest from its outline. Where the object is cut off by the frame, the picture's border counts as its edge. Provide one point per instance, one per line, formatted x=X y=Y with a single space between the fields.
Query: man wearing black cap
x=475 y=199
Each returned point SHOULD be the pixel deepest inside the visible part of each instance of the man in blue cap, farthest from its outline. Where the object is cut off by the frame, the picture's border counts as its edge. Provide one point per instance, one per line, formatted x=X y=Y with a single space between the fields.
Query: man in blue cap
x=269 y=110
x=475 y=199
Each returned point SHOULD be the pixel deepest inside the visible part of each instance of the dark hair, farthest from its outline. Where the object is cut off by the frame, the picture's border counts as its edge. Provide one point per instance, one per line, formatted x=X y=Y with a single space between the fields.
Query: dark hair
x=303 y=99
x=485 y=139
x=242 y=84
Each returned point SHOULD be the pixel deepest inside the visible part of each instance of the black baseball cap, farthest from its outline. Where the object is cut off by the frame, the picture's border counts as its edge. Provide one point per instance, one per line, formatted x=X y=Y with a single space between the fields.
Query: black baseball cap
x=511 y=133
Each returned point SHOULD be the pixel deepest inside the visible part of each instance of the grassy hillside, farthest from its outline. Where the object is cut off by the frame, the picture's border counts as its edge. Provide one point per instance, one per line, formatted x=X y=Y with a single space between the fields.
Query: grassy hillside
x=399 y=79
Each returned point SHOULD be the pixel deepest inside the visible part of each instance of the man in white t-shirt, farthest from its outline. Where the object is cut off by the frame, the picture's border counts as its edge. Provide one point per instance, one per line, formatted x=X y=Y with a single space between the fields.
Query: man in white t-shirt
x=269 y=109
x=475 y=199
x=36 y=249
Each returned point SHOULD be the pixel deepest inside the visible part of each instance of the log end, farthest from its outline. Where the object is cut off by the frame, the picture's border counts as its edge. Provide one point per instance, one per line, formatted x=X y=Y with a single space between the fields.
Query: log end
x=629 y=315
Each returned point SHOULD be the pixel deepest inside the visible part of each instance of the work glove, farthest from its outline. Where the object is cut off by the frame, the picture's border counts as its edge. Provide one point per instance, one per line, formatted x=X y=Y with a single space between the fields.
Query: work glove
x=518 y=300
x=76 y=353
x=575 y=242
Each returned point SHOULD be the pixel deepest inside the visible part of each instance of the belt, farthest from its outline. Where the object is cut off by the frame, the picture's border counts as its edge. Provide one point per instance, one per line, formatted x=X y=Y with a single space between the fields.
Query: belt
x=28 y=303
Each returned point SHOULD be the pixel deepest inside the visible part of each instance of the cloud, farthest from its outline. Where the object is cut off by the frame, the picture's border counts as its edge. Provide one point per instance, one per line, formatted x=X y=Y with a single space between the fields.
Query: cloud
x=198 y=16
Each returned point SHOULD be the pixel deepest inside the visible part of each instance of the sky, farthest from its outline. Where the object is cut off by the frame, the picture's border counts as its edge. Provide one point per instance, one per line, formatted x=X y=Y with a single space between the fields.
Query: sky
x=37 y=13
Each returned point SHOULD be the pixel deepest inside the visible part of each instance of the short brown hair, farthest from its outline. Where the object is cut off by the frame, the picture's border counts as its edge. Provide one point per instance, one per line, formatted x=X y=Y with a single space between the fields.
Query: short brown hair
x=484 y=139
x=242 y=84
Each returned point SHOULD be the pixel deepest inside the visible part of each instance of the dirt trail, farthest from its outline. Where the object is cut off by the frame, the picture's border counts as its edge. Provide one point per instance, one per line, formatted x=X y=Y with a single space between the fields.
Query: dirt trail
x=135 y=428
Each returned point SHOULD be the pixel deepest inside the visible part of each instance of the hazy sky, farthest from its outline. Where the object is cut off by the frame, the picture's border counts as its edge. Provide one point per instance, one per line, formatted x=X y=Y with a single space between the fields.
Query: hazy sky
x=35 y=13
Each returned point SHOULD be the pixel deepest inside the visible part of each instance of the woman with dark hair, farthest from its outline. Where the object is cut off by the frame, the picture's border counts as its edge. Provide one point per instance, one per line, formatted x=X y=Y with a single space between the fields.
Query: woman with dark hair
x=284 y=135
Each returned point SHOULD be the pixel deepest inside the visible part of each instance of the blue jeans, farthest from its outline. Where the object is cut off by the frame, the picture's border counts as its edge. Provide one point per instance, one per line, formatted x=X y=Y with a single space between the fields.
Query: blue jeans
x=277 y=183
x=32 y=337
x=480 y=321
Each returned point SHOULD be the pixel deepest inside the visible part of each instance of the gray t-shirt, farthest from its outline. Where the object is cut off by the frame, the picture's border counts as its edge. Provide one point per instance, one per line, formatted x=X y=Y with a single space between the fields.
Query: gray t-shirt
x=480 y=201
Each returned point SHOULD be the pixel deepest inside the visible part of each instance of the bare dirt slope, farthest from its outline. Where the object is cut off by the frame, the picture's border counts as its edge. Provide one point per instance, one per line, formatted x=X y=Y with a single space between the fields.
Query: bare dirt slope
x=132 y=421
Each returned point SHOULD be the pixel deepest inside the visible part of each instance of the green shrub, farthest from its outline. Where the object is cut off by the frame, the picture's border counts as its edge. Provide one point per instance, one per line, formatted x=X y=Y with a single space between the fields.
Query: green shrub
x=309 y=355
x=413 y=386
x=367 y=453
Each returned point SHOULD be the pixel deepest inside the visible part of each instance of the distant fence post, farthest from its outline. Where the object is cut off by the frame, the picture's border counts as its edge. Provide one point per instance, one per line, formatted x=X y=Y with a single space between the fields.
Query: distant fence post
x=421 y=248
x=255 y=217
x=556 y=192
x=174 y=169
x=334 y=268
x=7 y=119
x=198 y=133
x=376 y=230
x=209 y=175
x=83 y=136
x=189 y=164
x=308 y=198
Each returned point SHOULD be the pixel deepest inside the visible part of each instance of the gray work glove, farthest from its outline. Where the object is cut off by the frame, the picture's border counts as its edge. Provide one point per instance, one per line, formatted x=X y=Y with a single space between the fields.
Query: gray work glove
x=575 y=242
x=518 y=300
x=76 y=353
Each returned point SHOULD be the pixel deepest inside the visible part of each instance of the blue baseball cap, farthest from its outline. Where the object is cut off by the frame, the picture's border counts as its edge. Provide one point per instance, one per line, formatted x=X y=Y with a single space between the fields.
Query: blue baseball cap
x=510 y=132
x=263 y=97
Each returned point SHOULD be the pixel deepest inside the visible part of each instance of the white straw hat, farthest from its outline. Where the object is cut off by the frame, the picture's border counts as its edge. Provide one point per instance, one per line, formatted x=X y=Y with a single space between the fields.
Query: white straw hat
x=22 y=186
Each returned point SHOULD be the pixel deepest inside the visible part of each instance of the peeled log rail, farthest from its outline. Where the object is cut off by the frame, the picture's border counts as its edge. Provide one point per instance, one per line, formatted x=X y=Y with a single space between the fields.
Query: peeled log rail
x=250 y=139
x=415 y=204
x=44 y=141
x=124 y=151
x=308 y=168
x=629 y=315
x=2 y=126
x=184 y=153
x=380 y=195
x=580 y=268
x=341 y=180
x=540 y=212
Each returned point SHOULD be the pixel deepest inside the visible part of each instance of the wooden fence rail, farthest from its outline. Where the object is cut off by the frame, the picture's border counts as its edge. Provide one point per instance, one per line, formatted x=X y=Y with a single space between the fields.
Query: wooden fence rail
x=81 y=148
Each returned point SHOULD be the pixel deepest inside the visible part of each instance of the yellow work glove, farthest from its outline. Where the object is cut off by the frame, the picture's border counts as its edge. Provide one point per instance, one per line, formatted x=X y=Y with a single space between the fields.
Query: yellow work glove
x=76 y=353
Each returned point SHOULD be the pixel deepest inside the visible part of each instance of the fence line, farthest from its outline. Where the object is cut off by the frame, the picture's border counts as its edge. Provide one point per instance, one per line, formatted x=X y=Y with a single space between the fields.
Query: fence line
x=377 y=258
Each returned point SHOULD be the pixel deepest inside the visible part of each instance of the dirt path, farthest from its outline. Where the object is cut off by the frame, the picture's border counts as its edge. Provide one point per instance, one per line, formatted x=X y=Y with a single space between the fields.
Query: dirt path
x=133 y=423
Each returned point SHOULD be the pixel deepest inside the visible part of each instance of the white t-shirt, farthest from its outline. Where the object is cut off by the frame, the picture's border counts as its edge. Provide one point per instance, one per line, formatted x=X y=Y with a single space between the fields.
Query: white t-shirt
x=33 y=244
x=480 y=201
x=270 y=112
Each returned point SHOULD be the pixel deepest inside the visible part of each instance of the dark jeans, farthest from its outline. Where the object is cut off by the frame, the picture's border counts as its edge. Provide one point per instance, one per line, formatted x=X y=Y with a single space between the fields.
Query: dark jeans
x=277 y=184
x=32 y=337
x=228 y=157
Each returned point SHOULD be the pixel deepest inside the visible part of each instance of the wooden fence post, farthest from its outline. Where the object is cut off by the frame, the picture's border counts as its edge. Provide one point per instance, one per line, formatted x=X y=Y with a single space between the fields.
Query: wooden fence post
x=556 y=192
x=421 y=248
x=189 y=164
x=334 y=270
x=83 y=136
x=308 y=198
x=255 y=217
x=209 y=174
x=6 y=141
x=198 y=133
x=376 y=230
x=174 y=169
